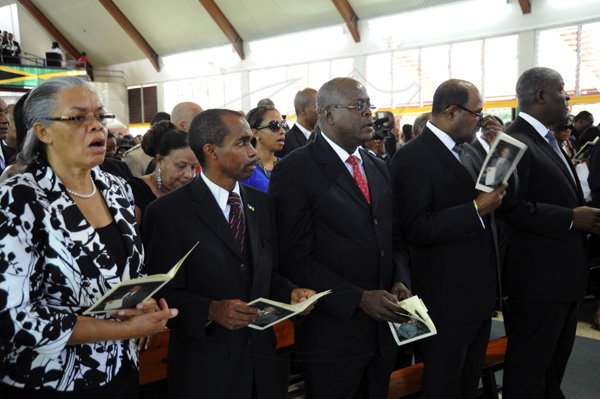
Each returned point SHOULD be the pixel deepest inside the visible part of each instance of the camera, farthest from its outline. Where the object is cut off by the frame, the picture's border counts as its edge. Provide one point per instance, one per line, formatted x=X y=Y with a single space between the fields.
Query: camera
x=381 y=127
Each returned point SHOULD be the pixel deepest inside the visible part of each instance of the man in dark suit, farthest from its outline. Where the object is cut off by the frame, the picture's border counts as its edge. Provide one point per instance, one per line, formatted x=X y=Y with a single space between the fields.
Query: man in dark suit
x=333 y=205
x=305 y=104
x=546 y=270
x=211 y=352
x=6 y=152
x=447 y=224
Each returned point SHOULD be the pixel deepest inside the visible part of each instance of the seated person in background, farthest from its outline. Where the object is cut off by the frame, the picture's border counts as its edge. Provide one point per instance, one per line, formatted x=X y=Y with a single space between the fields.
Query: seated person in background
x=111 y=163
x=16 y=120
x=68 y=235
x=268 y=128
x=175 y=165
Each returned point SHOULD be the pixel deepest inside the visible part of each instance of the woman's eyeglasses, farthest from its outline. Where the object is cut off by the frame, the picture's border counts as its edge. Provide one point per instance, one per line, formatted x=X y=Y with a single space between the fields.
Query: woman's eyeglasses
x=274 y=126
x=80 y=120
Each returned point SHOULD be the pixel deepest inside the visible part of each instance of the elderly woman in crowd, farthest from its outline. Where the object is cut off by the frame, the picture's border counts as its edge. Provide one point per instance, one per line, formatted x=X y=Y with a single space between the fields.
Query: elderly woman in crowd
x=268 y=128
x=67 y=235
x=175 y=163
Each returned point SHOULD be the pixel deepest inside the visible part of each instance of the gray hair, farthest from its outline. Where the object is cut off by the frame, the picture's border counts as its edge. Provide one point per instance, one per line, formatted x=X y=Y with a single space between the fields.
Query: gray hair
x=531 y=81
x=208 y=128
x=40 y=104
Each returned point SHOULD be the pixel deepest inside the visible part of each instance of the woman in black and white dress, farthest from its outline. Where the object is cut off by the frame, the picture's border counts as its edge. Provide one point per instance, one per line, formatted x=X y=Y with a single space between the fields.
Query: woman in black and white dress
x=67 y=235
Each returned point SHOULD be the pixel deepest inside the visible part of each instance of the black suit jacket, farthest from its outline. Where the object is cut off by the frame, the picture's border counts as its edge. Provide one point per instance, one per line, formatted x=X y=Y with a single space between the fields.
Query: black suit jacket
x=452 y=260
x=330 y=238
x=545 y=259
x=206 y=357
x=479 y=148
x=294 y=138
x=8 y=153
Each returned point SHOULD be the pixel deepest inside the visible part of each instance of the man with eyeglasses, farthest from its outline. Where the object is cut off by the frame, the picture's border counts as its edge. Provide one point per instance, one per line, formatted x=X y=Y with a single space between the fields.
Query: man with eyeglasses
x=6 y=152
x=546 y=271
x=334 y=210
x=449 y=227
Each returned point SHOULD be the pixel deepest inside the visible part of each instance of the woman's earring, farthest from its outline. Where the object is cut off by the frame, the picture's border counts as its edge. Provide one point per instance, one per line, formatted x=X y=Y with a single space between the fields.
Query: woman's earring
x=158 y=178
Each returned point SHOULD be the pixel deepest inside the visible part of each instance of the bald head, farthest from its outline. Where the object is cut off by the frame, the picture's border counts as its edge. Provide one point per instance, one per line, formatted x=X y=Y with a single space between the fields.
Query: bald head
x=451 y=92
x=305 y=105
x=183 y=113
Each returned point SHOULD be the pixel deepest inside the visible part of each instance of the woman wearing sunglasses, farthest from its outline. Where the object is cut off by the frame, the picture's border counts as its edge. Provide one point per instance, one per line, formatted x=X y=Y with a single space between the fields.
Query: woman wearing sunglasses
x=269 y=129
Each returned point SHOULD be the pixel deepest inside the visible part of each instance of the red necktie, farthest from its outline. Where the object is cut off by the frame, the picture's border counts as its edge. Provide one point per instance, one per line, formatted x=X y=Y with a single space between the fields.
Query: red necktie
x=236 y=219
x=359 y=178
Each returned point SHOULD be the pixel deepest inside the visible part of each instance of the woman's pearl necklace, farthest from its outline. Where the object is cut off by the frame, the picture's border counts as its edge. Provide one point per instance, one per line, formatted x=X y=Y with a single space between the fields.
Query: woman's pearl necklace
x=84 y=196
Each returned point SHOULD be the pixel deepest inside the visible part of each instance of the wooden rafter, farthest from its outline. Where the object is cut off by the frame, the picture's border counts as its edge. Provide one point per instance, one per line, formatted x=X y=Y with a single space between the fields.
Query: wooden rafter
x=133 y=33
x=221 y=20
x=349 y=16
x=525 y=6
x=51 y=29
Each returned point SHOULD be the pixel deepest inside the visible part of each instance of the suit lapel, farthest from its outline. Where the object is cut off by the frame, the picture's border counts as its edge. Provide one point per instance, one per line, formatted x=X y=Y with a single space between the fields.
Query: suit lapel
x=333 y=167
x=208 y=210
x=374 y=179
x=448 y=161
x=545 y=146
x=251 y=212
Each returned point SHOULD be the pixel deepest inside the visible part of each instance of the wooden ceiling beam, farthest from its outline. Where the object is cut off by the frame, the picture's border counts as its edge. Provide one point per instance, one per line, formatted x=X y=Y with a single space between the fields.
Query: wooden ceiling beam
x=133 y=33
x=525 y=6
x=349 y=16
x=51 y=29
x=221 y=20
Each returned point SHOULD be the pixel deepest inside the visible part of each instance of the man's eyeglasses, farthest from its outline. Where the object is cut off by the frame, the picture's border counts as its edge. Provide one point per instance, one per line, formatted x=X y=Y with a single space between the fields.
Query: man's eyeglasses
x=80 y=120
x=479 y=114
x=358 y=107
x=275 y=126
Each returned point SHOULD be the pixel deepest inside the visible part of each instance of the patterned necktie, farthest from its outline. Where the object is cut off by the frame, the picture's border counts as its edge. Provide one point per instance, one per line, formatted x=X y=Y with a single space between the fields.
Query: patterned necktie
x=359 y=178
x=466 y=160
x=554 y=144
x=237 y=221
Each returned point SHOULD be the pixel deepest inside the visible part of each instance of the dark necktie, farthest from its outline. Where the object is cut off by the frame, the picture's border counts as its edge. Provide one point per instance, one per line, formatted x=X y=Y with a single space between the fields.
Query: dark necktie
x=554 y=144
x=466 y=160
x=237 y=221
x=359 y=178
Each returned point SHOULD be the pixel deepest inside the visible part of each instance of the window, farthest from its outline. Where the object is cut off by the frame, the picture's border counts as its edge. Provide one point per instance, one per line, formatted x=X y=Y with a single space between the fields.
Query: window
x=409 y=78
x=574 y=52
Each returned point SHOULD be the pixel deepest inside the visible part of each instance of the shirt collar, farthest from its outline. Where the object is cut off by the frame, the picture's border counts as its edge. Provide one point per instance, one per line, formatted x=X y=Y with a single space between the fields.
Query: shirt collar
x=221 y=195
x=448 y=142
x=341 y=153
x=484 y=144
x=304 y=130
x=537 y=125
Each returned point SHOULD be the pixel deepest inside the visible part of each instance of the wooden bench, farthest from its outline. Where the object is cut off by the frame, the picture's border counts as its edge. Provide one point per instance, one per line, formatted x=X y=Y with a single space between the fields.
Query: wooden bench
x=153 y=361
x=406 y=382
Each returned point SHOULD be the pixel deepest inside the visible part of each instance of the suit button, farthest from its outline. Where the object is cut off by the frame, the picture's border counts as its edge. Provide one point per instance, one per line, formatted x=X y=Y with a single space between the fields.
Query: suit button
x=382 y=252
x=376 y=222
x=242 y=267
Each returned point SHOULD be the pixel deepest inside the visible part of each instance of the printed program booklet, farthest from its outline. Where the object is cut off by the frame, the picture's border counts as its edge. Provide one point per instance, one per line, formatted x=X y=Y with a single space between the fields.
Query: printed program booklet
x=502 y=159
x=127 y=294
x=418 y=325
x=272 y=312
x=585 y=151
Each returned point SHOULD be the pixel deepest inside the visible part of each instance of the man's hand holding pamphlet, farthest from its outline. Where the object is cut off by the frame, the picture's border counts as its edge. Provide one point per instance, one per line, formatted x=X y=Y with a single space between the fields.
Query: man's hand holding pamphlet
x=272 y=312
x=418 y=324
x=127 y=294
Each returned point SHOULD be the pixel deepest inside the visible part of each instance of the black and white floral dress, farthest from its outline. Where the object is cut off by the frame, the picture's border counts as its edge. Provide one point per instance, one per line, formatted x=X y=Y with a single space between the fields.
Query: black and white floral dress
x=53 y=266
